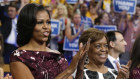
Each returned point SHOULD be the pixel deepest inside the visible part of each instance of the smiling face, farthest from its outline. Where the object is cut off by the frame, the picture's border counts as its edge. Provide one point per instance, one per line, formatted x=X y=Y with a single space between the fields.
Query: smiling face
x=98 y=51
x=42 y=28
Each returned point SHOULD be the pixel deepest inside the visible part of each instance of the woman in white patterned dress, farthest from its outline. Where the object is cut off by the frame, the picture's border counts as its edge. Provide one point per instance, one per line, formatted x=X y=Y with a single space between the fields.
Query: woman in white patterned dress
x=97 y=56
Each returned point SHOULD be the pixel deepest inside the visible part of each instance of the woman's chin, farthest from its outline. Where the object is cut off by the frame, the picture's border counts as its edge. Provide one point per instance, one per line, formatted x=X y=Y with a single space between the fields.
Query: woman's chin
x=45 y=39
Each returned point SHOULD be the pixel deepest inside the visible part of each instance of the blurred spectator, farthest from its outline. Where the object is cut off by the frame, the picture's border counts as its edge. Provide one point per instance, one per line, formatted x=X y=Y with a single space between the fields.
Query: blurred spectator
x=93 y=10
x=1 y=51
x=114 y=17
x=8 y=30
x=49 y=8
x=73 y=33
x=84 y=19
x=69 y=32
x=61 y=15
x=2 y=61
x=136 y=23
x=103 y=19
x=70 y=11
x=54 y=4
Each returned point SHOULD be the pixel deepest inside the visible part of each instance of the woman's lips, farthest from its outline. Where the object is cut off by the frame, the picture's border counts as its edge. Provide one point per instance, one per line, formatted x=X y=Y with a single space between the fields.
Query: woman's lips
x=46 y=34
x=102 y=55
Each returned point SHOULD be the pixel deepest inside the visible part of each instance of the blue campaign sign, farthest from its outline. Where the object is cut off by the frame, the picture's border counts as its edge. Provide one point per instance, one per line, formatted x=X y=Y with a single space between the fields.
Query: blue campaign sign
x=71 y=46
x=71 y=1
x=125 y=5
x=106 y=28
x=55 y=27
x=87 y=22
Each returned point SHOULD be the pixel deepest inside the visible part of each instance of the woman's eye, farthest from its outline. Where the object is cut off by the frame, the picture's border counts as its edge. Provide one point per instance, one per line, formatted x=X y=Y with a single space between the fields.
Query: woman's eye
x=48 y=22
x=40 y=22
x=98 y=46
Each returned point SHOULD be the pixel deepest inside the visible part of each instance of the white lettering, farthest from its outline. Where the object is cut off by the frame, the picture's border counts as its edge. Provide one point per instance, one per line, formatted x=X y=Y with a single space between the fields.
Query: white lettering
x=54 y=25
x=123 y=3
x=73 y=45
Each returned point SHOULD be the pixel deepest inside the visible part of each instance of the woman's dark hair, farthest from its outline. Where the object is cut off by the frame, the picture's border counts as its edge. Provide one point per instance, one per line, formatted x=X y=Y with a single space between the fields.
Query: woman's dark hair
x=135 y=54
x=98 y=20
x=27 y=21
x=1 y=51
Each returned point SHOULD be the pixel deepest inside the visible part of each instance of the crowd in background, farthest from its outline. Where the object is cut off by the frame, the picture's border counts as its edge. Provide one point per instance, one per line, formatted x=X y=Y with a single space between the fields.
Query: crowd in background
x=74 y=19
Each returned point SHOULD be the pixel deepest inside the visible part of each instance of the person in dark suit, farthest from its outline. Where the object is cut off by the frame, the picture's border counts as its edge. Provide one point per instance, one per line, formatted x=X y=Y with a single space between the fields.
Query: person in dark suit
x=8 y=31
x=116 y=48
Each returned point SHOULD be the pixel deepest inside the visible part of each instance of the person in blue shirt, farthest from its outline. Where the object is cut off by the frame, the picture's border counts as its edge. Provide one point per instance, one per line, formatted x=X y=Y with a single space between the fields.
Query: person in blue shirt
x=84 y=19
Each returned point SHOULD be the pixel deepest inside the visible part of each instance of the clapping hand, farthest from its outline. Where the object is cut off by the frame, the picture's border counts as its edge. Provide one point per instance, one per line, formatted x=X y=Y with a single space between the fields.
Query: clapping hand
x=77 y=60
x=123 y=71
x=84 y=49
x=80 y=56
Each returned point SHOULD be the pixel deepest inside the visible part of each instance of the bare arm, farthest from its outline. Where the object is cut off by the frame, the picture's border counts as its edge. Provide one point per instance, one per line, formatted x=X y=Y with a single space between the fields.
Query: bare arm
x=21 y=6
x=123 y=23
x=98 y=6
x=20 y=71
x=1 y=73
x=78 y=57
x=67 y=73
x=76 y=6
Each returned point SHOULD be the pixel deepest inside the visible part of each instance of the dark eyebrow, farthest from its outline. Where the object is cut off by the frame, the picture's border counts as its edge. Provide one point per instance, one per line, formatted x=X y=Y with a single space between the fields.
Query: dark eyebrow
x=48 y=20
x=39 y=19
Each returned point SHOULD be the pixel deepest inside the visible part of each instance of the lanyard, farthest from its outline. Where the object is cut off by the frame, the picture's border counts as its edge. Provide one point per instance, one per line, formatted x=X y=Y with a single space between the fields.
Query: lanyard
x=74 y=30
x=84 y=19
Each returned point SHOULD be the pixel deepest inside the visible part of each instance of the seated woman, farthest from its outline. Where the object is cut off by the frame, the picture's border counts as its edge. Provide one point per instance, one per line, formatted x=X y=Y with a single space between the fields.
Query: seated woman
x=135 y=58
x=97 y=55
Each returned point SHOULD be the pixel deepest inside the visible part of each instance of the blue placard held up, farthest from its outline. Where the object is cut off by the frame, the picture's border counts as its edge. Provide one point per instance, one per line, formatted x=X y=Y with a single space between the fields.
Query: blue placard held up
x=106 y=28
x=71 y=1
x=125 y=5
x=55 y=27
x=71 y=46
